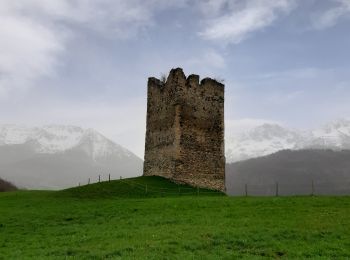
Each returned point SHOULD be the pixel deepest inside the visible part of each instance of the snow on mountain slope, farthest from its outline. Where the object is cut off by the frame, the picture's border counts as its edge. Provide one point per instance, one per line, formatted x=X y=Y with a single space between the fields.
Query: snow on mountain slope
x=57 y=139
x=334 y=135
x=258 y=141
x=100 y=146
x=270 y=138
x=13 y=134
x=55 y=157
x=261 y=140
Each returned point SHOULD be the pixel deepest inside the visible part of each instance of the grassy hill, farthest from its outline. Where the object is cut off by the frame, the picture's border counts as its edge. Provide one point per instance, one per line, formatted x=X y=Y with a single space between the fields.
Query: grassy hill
x=139 y=187
x=120 y=220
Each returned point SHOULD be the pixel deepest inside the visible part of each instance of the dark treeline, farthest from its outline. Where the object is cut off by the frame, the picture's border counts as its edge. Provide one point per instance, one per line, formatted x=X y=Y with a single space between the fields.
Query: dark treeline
x=299 y=172
x=6 y=186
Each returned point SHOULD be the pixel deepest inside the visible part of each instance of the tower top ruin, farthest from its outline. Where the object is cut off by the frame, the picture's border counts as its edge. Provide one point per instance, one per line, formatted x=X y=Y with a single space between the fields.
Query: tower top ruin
x=185 y=130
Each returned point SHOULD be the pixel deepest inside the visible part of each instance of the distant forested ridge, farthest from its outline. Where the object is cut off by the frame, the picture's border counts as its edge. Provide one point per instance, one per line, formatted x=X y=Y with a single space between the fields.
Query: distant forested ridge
x=298 y=172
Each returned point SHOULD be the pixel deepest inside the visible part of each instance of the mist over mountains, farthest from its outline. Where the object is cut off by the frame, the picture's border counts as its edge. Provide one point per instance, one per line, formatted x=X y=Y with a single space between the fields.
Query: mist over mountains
x=301 y=162
x=299 y=172
x=54 y=157
x=269 y=138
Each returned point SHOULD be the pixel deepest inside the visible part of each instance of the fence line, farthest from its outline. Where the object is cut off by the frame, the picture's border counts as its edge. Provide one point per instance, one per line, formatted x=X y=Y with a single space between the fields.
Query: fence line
x=289 y=189
x=182 y=188
x=168 y=190
x=159 y=190
x=245 y=189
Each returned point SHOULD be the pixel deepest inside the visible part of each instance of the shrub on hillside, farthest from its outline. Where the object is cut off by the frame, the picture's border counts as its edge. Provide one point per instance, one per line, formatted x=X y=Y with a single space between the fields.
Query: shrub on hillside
x=6 y=186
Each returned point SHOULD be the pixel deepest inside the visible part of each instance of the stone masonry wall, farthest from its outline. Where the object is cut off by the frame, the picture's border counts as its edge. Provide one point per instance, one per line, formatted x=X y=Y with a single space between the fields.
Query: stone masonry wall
x=185 y=130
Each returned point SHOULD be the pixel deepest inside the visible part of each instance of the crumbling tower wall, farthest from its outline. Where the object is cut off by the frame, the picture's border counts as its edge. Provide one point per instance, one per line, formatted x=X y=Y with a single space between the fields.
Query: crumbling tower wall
x=185 y=130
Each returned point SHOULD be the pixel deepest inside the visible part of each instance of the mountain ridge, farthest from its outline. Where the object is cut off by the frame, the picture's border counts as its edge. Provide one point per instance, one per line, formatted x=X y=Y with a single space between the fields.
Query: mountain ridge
x=51 y=139
x=269 y=138
x=298 y=172
x=57 y=156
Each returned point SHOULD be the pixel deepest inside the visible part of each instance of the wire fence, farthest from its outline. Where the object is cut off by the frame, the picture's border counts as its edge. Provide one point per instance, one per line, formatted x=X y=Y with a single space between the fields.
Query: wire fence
x=311 y=188
x=179 y=190
x=288 y=189
x=152 y=189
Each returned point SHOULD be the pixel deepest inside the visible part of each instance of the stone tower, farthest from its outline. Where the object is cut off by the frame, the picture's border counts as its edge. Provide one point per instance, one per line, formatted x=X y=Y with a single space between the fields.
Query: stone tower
x=185 y=130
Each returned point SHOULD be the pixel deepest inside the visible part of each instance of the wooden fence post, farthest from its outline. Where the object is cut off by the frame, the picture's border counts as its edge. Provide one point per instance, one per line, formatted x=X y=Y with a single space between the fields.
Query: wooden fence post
x=99 y=178
x=109 y=177
x=89 y=181
x=276 y=189
x=312 y=188
x=246 y=190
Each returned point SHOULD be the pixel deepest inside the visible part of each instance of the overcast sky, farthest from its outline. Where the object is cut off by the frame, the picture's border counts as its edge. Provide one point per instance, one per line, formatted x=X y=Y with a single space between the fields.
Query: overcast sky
x=86 y=62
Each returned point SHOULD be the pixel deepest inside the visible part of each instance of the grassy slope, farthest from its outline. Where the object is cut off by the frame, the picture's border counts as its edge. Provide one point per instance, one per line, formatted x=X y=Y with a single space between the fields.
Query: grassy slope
x=139 y=187
x=109 y=224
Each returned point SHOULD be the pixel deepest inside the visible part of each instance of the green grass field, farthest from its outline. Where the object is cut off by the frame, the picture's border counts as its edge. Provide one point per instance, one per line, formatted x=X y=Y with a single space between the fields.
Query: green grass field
x=121 y=220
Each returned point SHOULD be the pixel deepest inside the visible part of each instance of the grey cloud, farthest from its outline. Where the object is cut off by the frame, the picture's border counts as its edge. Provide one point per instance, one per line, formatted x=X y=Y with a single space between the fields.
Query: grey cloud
x=34 y=33
x=243 y=19
x=332 y=16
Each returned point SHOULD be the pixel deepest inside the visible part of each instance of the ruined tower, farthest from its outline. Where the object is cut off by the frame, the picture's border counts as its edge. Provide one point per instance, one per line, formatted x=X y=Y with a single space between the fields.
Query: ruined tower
x=185 y=130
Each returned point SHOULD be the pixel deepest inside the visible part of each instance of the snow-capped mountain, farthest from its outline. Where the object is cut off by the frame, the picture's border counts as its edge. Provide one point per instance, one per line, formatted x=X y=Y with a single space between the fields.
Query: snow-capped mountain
x=57 y=139
x=270 y=138
x=59 y=156
x=334 y=135
x=261 y=140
